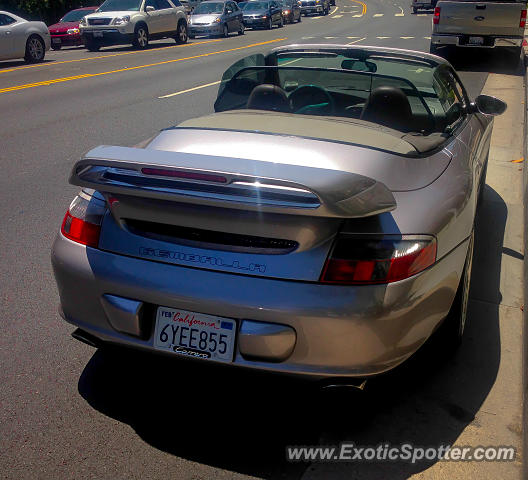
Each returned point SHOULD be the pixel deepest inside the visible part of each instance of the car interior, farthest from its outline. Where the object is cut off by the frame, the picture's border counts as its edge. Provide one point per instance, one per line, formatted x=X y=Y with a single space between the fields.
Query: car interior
x=409 y=95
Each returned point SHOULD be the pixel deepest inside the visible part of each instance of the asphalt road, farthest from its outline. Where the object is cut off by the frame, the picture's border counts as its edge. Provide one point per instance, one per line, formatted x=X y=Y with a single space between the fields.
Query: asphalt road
x=68 y=411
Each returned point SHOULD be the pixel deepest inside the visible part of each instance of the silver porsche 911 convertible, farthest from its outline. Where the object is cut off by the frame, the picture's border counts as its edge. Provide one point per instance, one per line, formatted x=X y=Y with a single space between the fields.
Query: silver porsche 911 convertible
x=319 y=223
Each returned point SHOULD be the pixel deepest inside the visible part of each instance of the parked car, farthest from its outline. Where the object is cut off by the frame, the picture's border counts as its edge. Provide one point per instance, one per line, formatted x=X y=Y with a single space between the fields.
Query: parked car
x=241 y=4
x=66 y=33
x=291 y=11
x=422 y=5
x=321 y=7
x=485 y=25
x=320 y=223
x=190 y=5
x=133 y=21
x=20 y=38
x=263 y=14
x=216 y=18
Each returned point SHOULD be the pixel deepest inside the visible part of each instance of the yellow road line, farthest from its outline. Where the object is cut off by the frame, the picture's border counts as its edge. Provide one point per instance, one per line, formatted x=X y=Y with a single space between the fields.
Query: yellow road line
x=90 y=75
x=50 y=64
x=364 y=5
x=190 y=89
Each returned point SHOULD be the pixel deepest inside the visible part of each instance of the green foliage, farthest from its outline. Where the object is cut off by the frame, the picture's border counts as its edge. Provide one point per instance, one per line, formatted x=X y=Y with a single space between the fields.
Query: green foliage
x=48 y=11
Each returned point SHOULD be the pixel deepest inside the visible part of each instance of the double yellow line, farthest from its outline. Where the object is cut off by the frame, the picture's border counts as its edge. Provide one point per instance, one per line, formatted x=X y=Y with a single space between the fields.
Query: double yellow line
x=91 y=75
x=363 y=4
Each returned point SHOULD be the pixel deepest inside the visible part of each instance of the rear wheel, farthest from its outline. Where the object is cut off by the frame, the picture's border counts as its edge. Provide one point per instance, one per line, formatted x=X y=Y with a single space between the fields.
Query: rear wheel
x=281 y=23
x=92 y=46
x=181 y=33
x=414 y=10
x=300 y=18
x=56 y=47
x=35 y=49
x=242 y=29
x=141 y=37
x=270 y=24
x=225 y=31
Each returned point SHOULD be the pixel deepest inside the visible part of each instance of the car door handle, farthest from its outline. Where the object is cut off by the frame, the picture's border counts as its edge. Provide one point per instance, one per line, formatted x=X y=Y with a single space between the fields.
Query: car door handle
x=480 y=7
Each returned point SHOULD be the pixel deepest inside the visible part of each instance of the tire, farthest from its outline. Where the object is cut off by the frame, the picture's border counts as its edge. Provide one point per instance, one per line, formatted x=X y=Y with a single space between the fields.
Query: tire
x=300 y=18
x=281 y=23
x=92 y=46
x=452 y=329
x=270 y=24
x=181 y=34
x=35 y=49
x=516 y=54
x=191 y=36
x=433 y=49
x=414 y=10
x=242 y=29
x=225 y=31
x=56 y=47
x=141 y=39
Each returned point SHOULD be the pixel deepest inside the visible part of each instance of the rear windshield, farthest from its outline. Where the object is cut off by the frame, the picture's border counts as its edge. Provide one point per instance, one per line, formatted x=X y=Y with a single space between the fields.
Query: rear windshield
x=207 y=8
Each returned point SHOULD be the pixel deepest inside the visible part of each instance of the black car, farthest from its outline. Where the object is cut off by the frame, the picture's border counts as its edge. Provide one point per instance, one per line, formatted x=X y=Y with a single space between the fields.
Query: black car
x=291 y=11
x=263 y=14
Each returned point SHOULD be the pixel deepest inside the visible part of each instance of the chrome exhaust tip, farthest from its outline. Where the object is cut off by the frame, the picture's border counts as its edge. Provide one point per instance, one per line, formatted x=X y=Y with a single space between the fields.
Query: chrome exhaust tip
x=347 y=384
x=86 y=337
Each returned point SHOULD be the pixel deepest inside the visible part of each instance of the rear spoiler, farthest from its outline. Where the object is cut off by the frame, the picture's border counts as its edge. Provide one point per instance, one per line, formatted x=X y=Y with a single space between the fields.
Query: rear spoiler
x=231 y=182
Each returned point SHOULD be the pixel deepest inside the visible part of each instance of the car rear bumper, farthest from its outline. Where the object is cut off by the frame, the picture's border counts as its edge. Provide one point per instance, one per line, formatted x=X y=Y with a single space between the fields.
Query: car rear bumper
x=464 y=41
x=308 y=10
x=283 y=326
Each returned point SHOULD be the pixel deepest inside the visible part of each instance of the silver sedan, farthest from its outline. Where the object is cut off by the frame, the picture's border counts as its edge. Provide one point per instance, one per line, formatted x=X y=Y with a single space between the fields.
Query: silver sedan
x=319 y=223
x=20 y=38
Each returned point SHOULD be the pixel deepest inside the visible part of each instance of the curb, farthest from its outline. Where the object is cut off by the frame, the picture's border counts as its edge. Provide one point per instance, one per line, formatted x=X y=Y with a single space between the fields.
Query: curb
x=525 y=319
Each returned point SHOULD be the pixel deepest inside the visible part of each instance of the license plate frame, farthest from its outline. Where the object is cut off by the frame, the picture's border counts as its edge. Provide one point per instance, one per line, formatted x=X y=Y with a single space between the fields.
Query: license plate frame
x=58 y=41
x=476 y=41
x=178 y=332
x=97 y=34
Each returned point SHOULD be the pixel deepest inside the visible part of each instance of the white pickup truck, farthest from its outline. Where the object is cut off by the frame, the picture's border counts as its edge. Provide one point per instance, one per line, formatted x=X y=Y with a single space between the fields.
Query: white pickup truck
x=478 y=24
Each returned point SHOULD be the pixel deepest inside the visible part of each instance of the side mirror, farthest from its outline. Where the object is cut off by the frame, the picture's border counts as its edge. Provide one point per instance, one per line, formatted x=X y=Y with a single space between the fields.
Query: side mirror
x=488 y=105
x=149 y=8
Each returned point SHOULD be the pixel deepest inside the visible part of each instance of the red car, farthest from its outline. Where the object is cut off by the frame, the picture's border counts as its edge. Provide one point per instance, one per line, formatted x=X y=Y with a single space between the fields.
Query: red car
x=66 y=31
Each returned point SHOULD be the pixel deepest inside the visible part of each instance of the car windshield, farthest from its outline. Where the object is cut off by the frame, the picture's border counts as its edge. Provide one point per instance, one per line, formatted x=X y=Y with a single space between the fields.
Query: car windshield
x=75 y=15
x=339 y=85
x=208 y=8
x=120 y=5
x=252 y=6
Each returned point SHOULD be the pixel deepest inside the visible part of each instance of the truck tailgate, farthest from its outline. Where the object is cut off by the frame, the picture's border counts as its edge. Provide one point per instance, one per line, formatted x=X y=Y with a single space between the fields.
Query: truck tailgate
x=498 y=18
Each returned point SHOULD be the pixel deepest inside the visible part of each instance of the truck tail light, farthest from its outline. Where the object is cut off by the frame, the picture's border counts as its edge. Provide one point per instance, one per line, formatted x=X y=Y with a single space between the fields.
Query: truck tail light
x=436 y=16
x=82 y=222
x=522 y=22
x=358 y=260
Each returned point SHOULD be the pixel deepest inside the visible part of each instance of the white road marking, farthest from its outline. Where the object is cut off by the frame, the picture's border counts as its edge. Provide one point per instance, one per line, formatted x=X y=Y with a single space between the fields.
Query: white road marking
x=355 y=16
x=356 y=41
x=334 y=10
x=383 y=38
x=378 y=15
x=353 y=37
x=190 y=90
x=307 y=38
x=328 y=38
x=421 y=15
x=406 y=38
x=427 y=38
x=337 y=16
x=401 y=14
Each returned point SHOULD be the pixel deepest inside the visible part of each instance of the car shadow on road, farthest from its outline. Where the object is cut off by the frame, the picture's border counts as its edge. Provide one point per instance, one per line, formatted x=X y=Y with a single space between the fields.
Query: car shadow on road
x=21 y=63
x=489 y=61
x=242 y=421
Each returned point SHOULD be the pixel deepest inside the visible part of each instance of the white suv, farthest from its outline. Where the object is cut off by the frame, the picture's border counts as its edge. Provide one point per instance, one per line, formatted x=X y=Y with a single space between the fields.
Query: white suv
x=133 y=21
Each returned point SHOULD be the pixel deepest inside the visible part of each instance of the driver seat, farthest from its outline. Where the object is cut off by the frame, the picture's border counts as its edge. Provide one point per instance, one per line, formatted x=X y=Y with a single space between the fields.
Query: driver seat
x=390 y=107
x=268 y=97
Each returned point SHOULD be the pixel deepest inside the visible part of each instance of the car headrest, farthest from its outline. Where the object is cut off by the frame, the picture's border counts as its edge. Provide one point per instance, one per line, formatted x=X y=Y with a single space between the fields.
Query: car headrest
x=389 y=106
x=268 y=97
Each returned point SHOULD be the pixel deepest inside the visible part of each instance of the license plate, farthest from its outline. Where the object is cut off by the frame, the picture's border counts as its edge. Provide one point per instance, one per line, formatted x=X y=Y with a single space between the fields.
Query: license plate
x=194 y=334
x=56 y=40
x=97 y=34
x=476 y=41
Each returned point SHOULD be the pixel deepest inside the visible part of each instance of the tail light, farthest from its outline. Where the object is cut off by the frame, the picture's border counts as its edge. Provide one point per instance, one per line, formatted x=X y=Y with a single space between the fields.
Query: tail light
x=436 y=16
x=82 y=222
x=361 y=261
x=522 y=22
